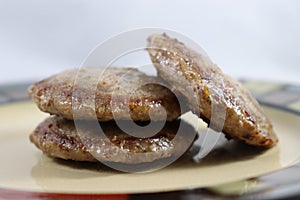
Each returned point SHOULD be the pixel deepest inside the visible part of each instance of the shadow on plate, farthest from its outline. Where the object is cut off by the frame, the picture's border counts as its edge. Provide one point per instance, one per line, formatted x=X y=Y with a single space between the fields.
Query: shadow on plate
x=224 y=153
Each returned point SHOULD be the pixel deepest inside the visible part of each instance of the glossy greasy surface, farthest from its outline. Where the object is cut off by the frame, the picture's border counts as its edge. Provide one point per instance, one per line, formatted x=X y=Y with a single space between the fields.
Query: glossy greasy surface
x=59 y=138
x=112 y=93
x=204 y=85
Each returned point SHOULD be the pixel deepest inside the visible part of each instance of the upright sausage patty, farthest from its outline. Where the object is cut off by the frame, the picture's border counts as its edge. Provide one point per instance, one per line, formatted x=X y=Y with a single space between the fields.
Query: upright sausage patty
x=203 y=83
x=116 y=93
x=59 y=138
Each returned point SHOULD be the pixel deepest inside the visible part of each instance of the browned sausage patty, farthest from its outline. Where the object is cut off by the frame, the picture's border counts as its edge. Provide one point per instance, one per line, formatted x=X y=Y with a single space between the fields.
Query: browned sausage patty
x=59 y=138
x=134 y=92
x=203 y=84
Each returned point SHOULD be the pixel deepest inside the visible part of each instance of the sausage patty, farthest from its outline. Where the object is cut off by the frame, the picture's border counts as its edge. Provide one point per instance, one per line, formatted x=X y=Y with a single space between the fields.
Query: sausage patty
x=203 y=83
x=58 y=137
x=116 y=93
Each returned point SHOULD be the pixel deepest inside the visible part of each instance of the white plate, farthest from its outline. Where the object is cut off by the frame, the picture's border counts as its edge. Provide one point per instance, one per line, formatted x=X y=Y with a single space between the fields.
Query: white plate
x=24 y=167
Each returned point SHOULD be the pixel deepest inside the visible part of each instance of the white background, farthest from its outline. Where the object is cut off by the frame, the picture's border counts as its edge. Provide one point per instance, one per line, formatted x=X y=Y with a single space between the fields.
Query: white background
x=257 y=39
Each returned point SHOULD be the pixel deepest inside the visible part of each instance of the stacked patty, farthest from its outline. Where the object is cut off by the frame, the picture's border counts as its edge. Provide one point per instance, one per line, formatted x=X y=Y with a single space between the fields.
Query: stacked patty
x=126 y=94
x=120 y=94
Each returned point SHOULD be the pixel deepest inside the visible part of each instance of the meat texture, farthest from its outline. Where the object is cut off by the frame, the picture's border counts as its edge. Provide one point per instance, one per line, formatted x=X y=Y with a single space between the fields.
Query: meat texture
x=203 y=84
x=113 y=93
x=60 y=138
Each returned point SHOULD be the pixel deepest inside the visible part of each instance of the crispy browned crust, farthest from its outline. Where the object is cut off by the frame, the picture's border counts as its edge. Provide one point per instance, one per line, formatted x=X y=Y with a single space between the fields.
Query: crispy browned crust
x=137 y=96
x=203 y=84
x=59 y=138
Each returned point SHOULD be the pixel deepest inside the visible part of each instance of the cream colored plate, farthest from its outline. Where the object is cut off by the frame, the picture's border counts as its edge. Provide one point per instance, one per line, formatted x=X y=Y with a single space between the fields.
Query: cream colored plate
x=24 y=167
